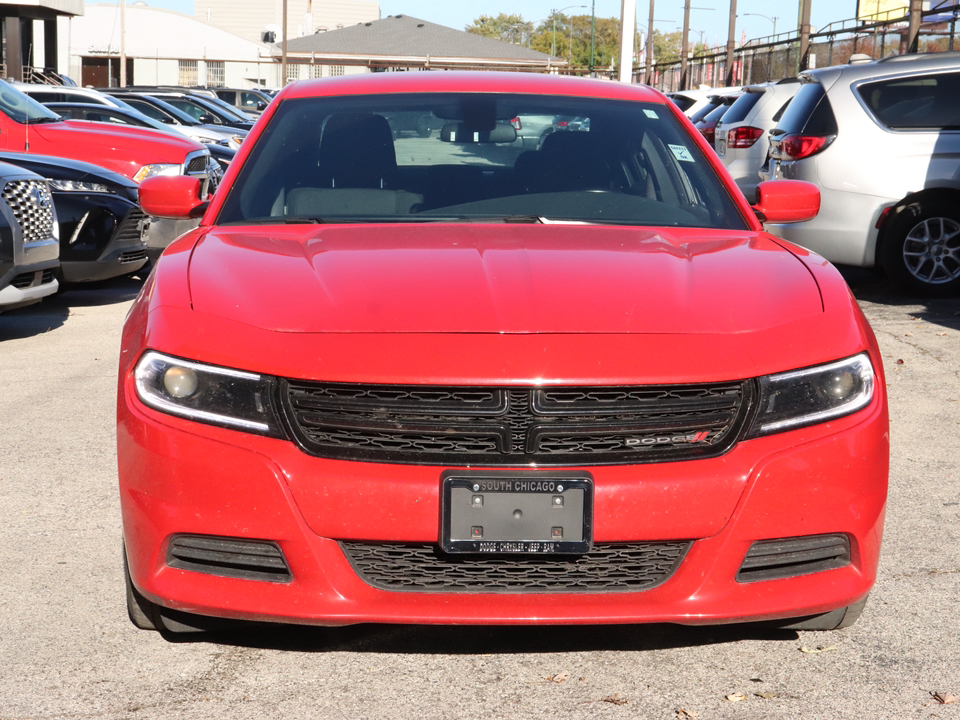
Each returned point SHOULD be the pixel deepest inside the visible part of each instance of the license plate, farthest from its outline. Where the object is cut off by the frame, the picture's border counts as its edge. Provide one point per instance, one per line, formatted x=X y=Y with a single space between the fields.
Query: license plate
x=538 y=513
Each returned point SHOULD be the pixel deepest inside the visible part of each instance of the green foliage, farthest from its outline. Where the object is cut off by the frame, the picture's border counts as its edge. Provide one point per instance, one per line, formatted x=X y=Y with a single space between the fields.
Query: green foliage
x=507 y=28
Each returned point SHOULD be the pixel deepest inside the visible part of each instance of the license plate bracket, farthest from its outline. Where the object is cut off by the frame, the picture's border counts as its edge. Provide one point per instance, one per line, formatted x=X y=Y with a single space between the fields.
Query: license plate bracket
x=535 y=513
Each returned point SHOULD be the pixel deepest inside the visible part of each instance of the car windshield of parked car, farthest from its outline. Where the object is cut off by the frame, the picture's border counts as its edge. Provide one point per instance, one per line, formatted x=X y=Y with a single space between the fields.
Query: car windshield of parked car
x=460 y=157
x=23 y=109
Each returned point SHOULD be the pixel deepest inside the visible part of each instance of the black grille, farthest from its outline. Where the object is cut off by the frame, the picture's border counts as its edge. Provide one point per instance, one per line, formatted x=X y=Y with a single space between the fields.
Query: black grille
x=772 y=559
x=131 y=229
x=32 y=206
x=627 y=567
x=229 y=557
x=24 y=280
x=516 y=426
x=197 y=165
x=132 y=256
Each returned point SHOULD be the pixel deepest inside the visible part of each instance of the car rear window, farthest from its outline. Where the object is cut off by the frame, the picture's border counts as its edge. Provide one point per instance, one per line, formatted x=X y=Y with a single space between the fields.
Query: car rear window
x=741 y=107
x=706 y=110
x=809 y=113
x=459 y=157
x=682 y=101
x=717 y=113
x=926 y=102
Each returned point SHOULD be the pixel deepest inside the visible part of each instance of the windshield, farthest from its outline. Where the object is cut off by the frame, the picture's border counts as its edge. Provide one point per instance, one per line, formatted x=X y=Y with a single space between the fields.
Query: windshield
x=160 y=110
x=404 y=158
x=22 y=109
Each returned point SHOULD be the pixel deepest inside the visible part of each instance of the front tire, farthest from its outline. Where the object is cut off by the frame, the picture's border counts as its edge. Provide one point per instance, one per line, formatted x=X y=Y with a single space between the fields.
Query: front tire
x=142 y=612
x=922 y=249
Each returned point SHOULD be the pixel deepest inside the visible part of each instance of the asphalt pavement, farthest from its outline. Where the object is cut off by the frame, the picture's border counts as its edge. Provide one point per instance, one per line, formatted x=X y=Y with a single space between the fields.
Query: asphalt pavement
x=67 y=649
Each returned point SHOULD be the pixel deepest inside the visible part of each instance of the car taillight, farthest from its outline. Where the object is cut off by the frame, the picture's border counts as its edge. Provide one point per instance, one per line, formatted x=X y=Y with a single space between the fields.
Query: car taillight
x=743 y=137
x=563 y=123
x=709 y=132
x=516 y=123
x=798 y=147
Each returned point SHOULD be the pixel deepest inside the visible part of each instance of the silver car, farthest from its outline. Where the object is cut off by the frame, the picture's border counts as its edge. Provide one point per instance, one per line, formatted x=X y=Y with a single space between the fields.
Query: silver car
x=882 y=140
x=741 y=139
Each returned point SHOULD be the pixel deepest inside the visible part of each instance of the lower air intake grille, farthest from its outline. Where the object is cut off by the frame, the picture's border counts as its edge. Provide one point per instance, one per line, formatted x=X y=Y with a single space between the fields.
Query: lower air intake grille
x=627 y=567
x=773 y=559
x=229 y=557
x=24 y=280
x=131 y=229
x=516 y=426
x=132 y=256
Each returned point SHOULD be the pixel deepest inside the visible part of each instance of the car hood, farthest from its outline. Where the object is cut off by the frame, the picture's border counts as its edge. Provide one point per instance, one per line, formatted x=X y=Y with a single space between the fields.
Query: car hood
x=169 y=148
x=498 y=278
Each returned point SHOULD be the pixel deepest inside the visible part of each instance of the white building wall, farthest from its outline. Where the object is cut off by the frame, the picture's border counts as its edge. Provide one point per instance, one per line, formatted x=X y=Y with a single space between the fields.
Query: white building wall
x=156 y=39
x=249 y=18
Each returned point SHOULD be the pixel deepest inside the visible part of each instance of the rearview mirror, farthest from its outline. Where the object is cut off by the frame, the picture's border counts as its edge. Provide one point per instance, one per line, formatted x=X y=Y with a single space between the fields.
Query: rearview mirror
x=173 y=196
x=787 y=201
x=466 y=134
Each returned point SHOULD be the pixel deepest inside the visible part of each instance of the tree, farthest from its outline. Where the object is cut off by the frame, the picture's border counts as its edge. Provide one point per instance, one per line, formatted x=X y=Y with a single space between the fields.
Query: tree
x=507 y=28
x=666 y=46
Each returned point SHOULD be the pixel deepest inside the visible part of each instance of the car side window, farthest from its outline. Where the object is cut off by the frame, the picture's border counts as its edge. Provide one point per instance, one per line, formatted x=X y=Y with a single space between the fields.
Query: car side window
x=924 y=102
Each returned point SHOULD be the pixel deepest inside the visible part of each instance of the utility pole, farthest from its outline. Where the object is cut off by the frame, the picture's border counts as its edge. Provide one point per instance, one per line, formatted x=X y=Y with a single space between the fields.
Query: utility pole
x=593 y=34
x=123 y=43
x=913 y=32
x=648 y=72
x=805 y=34
x=283 y=59
x=628 y=34
x=684 y=45
x=730 y=80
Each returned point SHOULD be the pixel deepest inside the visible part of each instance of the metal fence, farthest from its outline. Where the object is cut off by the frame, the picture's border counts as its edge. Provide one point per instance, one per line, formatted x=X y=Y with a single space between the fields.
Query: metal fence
x=778 y=56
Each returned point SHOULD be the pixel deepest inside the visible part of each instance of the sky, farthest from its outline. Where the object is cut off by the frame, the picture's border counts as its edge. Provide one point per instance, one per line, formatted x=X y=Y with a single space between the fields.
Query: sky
x=709 y=19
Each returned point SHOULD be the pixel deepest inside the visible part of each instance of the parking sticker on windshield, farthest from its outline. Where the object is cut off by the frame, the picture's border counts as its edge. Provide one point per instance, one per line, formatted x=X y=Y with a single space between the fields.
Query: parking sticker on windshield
x=681 y=153
x=651 y=114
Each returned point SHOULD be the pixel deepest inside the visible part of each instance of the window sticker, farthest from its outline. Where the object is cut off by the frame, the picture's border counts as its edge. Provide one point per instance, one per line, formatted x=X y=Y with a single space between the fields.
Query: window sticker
x=681 y=153
x=652 y=114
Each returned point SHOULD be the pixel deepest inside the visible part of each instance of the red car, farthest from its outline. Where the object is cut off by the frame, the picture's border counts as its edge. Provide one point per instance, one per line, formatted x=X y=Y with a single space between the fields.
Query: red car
x=440 y=380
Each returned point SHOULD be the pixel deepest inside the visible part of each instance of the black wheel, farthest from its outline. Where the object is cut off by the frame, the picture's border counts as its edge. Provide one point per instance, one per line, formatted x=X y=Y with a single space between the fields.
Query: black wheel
x=835 y=620
x=142 y=612
x=423 y=131
x=921 y=251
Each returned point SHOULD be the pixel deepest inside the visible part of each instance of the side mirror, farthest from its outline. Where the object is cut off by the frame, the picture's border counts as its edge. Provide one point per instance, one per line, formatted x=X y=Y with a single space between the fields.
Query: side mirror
x=787 y=201
x=208 y=119
x=261 y=105
x=173 y=196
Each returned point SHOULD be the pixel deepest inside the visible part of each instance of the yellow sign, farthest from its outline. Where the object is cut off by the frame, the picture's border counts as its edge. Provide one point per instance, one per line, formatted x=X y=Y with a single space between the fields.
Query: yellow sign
x=881 y=10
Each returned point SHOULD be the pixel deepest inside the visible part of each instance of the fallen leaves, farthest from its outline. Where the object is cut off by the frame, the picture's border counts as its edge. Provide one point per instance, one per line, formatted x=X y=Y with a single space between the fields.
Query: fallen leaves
x=945 y=698
x=559 y=678
x=818 y=649
x=687 y=714
x=616 y=699
x=736 y=697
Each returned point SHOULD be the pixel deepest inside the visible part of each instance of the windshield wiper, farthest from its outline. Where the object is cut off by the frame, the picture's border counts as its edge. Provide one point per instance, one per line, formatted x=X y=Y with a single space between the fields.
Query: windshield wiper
x=37 y=121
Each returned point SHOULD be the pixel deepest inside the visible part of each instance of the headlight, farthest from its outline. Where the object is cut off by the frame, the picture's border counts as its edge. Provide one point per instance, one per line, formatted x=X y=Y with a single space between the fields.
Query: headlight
x=207 y=393
x=157 y=169
x=804 y=397
x=238 y=139
x=77 y=186
x=206 y=140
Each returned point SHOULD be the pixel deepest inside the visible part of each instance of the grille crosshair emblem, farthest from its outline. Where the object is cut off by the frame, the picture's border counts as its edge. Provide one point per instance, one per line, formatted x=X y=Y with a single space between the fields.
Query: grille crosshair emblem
x=41 y=198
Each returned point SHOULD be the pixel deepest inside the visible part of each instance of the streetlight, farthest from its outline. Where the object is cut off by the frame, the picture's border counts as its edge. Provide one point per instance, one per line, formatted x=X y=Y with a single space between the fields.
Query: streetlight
x=771 y=19
x=553 y=48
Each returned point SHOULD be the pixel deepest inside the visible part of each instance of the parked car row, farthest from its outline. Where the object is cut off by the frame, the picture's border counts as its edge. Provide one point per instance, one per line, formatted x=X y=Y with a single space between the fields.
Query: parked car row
x=880 y=140
x=70 y=188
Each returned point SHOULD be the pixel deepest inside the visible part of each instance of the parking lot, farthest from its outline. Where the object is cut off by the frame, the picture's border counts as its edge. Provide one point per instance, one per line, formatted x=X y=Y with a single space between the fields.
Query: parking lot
x=68 y=651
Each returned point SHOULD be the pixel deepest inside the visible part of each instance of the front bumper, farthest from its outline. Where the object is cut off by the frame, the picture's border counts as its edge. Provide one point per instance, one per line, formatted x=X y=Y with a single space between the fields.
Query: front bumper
x=180 y=477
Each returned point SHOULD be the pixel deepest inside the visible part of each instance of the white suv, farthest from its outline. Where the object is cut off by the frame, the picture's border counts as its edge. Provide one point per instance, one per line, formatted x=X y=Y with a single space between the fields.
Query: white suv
x=741 y=139
x=882 y=140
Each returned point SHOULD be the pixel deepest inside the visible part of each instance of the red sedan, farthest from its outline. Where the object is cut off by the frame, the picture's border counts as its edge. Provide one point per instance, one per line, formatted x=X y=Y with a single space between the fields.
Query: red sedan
x=442 y=379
